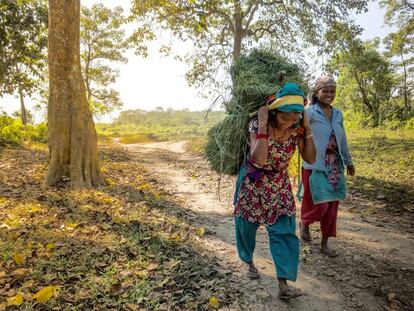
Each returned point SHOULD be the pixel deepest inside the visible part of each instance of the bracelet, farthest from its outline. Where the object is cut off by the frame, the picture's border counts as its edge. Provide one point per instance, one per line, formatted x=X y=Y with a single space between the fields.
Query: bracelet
x=262 y=136
x=309 y=136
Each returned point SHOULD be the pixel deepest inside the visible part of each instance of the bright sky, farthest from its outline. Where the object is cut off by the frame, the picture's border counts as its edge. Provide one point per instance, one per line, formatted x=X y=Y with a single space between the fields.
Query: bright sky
x=146 y=83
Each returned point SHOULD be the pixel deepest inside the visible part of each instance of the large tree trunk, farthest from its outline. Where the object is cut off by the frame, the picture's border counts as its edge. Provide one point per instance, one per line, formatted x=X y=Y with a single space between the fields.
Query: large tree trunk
x=72 y=135
x=22 y=108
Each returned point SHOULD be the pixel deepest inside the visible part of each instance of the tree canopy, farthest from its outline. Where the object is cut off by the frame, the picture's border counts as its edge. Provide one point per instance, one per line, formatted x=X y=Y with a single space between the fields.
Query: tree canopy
x=400 y=45
x=222 y=30
x=102 y=42
x=23 y=42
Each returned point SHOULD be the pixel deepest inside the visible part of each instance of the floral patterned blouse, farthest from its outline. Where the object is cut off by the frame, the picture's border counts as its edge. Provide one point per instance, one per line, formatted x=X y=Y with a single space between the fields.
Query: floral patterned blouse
x=265 y=192
x=332 y=161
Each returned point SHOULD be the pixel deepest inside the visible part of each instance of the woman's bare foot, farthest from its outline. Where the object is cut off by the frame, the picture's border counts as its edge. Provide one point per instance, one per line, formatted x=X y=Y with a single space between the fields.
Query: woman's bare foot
x=253 y=273
x=304 y=232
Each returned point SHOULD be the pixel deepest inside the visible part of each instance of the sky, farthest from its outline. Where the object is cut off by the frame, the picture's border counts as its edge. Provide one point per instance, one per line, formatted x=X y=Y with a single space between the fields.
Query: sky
x=145 y=83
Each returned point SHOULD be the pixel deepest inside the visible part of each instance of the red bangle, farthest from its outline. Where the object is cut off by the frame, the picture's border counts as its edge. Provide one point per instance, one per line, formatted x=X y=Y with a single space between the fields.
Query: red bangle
x=262 y=136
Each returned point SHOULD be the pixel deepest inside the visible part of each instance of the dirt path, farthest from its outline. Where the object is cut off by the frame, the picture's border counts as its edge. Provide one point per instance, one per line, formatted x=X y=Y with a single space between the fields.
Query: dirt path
x=374 y=272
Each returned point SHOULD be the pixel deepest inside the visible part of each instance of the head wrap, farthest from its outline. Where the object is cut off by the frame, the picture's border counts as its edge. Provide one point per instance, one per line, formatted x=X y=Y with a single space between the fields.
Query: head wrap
x=290 y=98
x=323 y=81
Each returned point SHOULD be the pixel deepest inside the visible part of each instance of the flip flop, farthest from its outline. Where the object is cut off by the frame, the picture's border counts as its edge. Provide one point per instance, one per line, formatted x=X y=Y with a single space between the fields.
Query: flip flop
x=329 y=252
x=303 y=236
x=290 y=293
x=253 y=274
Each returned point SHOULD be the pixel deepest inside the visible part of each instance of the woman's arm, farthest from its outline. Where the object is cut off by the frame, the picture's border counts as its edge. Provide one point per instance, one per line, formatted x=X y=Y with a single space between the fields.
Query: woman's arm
x=346 y=155
x=258 y=147
x=306 y=145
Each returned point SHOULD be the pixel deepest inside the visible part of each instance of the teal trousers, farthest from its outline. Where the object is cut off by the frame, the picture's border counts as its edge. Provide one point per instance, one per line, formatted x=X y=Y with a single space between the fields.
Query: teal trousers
x=283 y=242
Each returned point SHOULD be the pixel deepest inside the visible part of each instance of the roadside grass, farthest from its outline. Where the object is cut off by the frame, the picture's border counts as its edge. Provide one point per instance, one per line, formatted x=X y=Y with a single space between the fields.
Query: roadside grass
x=384 y=162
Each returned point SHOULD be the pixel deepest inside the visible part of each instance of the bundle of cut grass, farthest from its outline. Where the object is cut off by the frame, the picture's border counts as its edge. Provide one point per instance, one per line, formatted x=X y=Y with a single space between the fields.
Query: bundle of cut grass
x=255 y=76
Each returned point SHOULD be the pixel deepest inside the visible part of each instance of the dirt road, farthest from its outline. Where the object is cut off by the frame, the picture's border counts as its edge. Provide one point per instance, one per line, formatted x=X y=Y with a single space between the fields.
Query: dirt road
x=375 y=269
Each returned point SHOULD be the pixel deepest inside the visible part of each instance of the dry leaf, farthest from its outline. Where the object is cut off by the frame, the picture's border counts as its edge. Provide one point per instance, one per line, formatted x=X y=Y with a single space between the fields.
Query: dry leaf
x=18 y=259
x=213 y=302
x=15 y=300
x=4 y=226
x=132 y=307
x=70 y=226
x=50 y=246
x=46 y=293
x=116 y=289
x=152 y=267
x=200 y=231
x=21 y=271
x=117 y=219
x=83 y=294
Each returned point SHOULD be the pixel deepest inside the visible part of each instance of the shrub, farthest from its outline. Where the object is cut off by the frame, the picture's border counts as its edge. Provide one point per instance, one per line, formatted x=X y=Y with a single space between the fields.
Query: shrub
x=13 y=132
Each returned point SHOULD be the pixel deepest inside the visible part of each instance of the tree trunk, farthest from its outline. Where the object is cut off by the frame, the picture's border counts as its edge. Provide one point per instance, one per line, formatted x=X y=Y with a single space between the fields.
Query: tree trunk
x=238 y=31
x=364 y=94
x=407 y=103
x=72 y=135
x=22 y=108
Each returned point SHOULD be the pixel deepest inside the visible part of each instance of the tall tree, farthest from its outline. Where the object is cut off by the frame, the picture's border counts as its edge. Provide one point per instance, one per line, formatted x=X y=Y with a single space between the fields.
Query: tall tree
x=23 y=42
x=102 y=41
x=72 y=135
x=400 y=44
x=222 y=30
x=365 y=77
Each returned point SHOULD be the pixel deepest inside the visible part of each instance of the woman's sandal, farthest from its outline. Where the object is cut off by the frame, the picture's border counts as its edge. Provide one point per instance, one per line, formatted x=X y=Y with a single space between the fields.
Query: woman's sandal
x=304 y=236
x=290 y=293
x=329 y=252
x=253 y=274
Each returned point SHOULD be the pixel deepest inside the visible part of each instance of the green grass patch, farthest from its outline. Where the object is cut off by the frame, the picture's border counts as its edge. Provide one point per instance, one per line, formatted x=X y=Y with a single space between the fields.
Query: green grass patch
x=135 y=126
x=384 y=162
x=137 y=138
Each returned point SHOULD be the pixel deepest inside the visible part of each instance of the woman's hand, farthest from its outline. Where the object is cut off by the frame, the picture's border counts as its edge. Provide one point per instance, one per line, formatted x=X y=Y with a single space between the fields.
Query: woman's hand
x=306 y=123
x=262 y=117
x=350 y=170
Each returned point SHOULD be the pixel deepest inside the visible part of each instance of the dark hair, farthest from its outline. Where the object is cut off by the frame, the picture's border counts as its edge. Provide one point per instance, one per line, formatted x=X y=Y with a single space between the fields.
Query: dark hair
x=272 y=120
x=314 y=99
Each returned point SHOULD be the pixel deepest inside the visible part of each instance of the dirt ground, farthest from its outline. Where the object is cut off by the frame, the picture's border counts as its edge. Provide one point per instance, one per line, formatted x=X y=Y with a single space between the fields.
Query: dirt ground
x=375 y=268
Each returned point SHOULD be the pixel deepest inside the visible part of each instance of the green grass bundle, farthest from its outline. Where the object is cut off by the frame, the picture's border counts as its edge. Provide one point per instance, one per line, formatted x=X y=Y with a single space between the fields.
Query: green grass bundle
x=255 y=76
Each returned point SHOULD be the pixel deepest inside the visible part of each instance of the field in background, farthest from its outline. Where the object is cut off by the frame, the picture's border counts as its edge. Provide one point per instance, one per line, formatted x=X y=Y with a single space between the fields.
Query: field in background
x=138 y=126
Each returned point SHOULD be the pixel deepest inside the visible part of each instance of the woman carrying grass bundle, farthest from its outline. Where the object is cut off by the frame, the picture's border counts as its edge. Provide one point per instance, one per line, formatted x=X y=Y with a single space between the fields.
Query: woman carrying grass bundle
x=323 y=180
x=263 y=191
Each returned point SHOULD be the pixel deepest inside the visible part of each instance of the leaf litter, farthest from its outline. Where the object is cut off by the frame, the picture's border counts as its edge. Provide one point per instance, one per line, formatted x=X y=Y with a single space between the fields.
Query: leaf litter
x=126 y=246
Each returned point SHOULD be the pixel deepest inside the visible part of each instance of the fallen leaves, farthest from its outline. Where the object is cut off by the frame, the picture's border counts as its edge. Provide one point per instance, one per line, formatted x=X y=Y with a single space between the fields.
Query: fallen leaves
x=46 y=293
x=18 y=259
x=15 y=300
x=116 y=289
x=200 y=231
x=213 y=302
x=50 y=246
x=124 y=242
